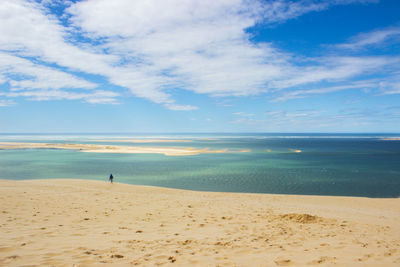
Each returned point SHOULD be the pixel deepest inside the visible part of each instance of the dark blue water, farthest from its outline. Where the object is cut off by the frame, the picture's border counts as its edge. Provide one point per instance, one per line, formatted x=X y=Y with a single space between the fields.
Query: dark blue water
x=328 y=164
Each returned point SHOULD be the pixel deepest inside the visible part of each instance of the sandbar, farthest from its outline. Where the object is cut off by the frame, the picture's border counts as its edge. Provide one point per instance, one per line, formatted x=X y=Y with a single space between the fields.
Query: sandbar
x=144 y=140
x=95 y=148
x=67 y=222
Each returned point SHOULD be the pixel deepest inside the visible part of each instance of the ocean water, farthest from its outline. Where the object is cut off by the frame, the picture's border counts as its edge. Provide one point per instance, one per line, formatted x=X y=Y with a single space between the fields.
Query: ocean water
x=328 y=164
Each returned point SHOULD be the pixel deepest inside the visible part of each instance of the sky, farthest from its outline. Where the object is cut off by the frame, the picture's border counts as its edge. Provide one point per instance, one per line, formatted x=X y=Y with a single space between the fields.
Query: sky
x=138 y=66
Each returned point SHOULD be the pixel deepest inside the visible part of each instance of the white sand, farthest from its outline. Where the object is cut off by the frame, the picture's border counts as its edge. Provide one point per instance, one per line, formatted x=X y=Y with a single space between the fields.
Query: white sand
x=86 y=223
x=94 y=148
x=145 y=140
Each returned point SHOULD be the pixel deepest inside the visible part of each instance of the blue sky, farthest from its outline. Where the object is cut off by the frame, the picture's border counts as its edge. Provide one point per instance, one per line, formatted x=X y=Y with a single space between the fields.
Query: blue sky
x=200 y=66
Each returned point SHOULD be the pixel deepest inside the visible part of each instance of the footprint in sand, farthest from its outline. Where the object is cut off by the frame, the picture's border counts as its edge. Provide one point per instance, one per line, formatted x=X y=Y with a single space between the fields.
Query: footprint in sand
x=13 y=257
x=118 y=256
x=390 y=253
x=172 y=259
x=322 y=260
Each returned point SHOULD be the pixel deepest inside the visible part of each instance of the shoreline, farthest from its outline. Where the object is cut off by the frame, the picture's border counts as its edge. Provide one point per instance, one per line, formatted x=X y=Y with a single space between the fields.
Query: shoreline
x=194 y=190
x=90 y=222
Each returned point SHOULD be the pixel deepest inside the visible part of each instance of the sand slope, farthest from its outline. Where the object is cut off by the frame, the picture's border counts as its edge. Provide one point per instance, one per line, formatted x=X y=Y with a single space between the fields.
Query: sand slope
x=86 y=223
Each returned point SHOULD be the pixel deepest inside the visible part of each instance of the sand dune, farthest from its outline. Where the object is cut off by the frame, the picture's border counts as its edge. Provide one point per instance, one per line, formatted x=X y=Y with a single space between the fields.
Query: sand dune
x=67 y=222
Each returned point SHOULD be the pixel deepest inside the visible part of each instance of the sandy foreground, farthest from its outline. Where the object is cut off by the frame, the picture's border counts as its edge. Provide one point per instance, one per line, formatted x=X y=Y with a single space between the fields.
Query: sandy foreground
x=86 y=223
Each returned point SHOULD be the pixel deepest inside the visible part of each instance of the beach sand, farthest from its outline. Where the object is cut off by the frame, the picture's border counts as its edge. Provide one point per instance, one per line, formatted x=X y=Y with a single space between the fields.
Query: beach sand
x=86 y=223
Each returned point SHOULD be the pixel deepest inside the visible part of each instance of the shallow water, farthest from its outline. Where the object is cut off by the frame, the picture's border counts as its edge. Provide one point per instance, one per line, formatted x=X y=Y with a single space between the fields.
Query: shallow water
x=328 y=164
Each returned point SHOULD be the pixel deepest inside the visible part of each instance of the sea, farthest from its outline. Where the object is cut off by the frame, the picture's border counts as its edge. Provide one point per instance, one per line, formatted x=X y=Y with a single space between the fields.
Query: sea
x=366 y=165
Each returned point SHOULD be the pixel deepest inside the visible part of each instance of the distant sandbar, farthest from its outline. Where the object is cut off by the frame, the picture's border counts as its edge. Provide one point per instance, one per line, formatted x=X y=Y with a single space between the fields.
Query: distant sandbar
x=144 y=140
x=168 y=151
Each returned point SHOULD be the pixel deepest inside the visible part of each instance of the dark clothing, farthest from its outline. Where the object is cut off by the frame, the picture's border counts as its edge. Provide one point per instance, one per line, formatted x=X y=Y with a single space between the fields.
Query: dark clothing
x=111 y=178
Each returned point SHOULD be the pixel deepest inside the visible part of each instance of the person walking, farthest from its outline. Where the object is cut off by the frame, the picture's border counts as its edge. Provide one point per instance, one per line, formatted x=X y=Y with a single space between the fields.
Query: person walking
x=111 y=178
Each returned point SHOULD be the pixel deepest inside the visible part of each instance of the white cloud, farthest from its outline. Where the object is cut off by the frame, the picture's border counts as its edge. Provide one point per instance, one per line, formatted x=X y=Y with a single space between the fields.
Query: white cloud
x=196 y=45
x=381 y=86
x=294 y=114
x=372 y=38
x=180 y=107
x=35 y=76
x=243 y=114
x=154 y=48
x=249 y=121
x=203 y=46
x=334 y=69
x=2 y=79
x=324 y=90
x=390 y=86
x=314 y=119
x=280 y=10
x=56 y=2
x=6 y=102
x=94 y=97
x=40 y=83
x=26 y=28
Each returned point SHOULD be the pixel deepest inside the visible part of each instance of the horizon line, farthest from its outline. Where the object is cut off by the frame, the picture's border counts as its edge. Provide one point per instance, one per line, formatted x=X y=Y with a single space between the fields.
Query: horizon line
x=34 y=133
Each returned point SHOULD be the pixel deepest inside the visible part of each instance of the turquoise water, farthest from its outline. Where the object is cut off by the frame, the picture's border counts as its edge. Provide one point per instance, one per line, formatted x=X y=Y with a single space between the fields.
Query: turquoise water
x=329 y=164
